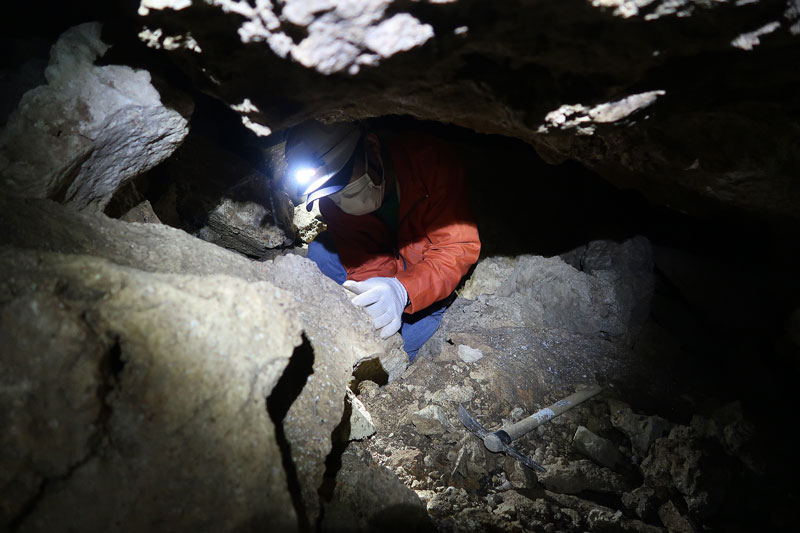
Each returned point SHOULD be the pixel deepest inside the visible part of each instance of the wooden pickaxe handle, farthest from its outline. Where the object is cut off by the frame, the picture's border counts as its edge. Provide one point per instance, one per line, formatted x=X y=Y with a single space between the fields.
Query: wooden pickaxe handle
x=498 y=440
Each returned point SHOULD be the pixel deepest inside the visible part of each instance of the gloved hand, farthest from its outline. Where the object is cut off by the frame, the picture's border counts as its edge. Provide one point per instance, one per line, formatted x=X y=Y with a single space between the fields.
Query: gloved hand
x=384 y=299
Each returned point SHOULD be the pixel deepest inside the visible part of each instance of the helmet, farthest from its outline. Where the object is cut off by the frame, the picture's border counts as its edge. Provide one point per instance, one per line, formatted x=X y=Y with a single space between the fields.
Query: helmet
x=317 y=153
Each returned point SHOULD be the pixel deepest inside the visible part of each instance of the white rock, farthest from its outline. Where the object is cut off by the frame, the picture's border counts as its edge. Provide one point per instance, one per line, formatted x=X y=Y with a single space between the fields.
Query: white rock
x=361 y=425
x=106 y=125
x=468 y=354
x=431 y=420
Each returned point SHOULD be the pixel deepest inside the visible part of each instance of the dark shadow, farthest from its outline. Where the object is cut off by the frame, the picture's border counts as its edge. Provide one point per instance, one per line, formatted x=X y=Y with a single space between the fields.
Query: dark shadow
x=333 y=462
x=369 y=370
x=402 y=517
x=284 y=394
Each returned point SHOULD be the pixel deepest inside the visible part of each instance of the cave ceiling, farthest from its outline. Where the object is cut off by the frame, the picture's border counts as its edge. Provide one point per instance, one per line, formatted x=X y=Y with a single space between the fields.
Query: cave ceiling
x=693 y=103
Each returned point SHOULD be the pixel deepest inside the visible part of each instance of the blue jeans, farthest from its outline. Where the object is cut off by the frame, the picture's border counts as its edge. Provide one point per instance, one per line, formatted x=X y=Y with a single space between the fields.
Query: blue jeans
x=416 y=329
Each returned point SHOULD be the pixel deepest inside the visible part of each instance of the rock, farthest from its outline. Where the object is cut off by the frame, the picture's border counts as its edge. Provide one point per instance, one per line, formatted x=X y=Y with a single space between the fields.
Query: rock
x=674 y=520
x=162 y=403
x=337 y=336
x=89 y=130
x=430 y=420
x=611 y=298
x=576 y=476
x=245 y=227
x=488 y=276
x=728 y=426
x=452 y=394
x=222 y=198
x=308 y=224
x=361 y=425
x=600 y=450
x=515 y=506
x=446 y=501
x=50 y=395
x=601 y=518
x=468 y=354
x=643 y=502
x=47 y=226
x=642 y=430
x=142 y=213
x=685 y=463
x=369 y=497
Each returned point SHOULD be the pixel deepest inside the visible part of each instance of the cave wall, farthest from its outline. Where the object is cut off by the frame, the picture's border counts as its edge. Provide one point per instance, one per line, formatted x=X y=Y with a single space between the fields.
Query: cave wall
x=693 y=103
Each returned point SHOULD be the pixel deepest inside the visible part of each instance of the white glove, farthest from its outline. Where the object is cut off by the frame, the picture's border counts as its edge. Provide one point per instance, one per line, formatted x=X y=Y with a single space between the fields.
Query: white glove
x=384 y=299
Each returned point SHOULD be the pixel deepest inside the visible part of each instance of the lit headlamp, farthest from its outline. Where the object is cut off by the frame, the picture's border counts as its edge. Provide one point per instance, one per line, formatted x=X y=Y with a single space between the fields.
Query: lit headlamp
x=317 y=153
x=303 y=175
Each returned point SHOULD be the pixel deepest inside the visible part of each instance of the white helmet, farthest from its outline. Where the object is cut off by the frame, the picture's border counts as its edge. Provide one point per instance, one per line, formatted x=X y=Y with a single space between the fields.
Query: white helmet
x=316 y=153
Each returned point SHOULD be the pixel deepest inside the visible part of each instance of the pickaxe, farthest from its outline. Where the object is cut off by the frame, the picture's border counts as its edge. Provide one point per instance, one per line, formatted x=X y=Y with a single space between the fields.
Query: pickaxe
x=500 y=440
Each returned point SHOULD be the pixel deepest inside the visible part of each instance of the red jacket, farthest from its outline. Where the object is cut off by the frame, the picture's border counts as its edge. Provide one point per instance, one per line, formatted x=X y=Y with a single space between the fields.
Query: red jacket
x=437 y=235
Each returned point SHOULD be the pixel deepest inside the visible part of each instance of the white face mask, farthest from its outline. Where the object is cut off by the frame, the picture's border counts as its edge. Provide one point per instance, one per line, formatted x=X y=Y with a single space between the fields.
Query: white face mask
x=361 y=196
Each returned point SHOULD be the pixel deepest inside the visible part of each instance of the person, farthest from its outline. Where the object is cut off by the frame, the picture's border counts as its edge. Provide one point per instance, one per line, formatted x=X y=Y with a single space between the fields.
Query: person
x=400 y=234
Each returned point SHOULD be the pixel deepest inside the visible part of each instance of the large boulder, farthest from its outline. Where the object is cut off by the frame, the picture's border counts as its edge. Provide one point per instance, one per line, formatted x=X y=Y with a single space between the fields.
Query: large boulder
x=608 y=293
x=160 y=402
x=89 y=130
x=179 y=313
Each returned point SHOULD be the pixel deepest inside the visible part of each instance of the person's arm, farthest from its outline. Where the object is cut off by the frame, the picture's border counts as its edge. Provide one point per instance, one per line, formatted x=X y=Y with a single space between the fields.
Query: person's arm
x=451 y=229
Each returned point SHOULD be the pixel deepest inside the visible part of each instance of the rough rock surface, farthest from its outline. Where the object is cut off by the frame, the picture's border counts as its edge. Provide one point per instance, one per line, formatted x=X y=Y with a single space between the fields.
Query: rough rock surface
x=644 y=93
x=164 y=403
x=356 y=505
x=89 y=130
x=336 y=337
x=211 y=192
x=608 y=293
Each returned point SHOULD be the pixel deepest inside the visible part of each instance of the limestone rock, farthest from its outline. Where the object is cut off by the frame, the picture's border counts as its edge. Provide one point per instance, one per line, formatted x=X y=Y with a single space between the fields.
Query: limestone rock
x=677 y=141
x=469 y=354
x=606 y=298
x=244 y=227
x=682 y=461
x=89 y=130
x=341 y=336
x=141 y=213
x=488 y=276
x=576 y=476
x=430 y=420
x=672 y=518
x=47 y=226
x=184 y=438
x=642 y=430
x=361 y=425
x=223 y=198
x=643 y=502
x=600 y=450
x=369 y=497
x=602 y=518
x=50 y=394
x=337 y=336
x=309 y=224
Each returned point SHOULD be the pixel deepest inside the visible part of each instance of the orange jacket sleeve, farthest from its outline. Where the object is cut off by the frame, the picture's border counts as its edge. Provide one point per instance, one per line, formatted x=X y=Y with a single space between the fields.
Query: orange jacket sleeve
x=453 y=243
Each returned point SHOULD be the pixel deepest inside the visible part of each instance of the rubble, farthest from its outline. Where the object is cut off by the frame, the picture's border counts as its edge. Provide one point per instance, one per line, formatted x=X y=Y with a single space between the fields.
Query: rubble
x=89 y=129
x=600 y=450
x=430 y=420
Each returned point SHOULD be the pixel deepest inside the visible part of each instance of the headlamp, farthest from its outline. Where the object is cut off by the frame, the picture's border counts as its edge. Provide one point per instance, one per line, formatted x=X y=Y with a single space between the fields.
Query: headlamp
x=304 y=174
